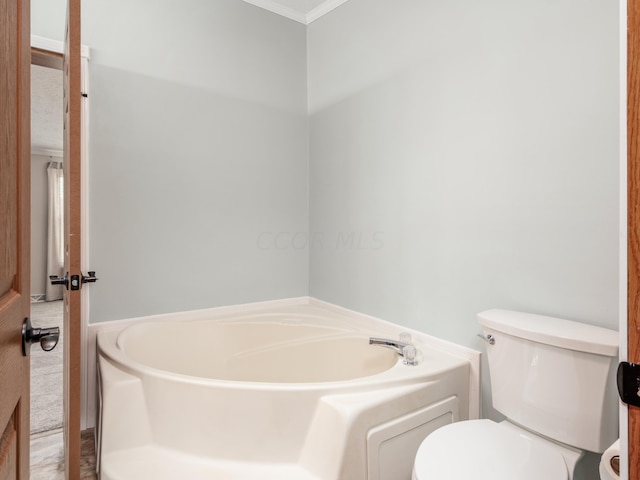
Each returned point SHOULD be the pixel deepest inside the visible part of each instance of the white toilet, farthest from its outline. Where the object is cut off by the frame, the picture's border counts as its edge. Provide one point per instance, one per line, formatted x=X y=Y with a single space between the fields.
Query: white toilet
x=554 y=381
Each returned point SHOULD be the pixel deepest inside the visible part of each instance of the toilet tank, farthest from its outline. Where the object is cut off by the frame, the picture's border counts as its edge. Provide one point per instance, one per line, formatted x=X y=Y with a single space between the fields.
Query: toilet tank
x=554 y=377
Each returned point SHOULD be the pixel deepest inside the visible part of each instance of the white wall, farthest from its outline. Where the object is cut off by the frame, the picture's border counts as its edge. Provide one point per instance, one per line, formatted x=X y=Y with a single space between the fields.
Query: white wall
x=198 y=145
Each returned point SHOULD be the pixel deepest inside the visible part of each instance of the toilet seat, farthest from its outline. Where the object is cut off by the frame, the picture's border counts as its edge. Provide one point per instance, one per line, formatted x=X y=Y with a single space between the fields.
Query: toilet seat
x=485 y=450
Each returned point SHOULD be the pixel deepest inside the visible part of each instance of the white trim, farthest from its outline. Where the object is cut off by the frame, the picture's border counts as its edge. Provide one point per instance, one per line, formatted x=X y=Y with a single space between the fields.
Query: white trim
x=280 y=10
x=55 y=46
x=323 y=9
x=297 y=15
x=622 y=282
x=46 y=152
x=84 y=235
x=48 y=44
x=89 y=359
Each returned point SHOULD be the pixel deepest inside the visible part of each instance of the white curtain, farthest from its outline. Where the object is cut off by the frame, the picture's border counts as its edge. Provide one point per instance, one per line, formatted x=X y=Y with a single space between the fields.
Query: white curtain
x=55 y=230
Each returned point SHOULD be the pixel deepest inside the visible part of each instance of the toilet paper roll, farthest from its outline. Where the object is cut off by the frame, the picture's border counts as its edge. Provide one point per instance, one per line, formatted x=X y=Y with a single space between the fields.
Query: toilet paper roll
x=610 y=461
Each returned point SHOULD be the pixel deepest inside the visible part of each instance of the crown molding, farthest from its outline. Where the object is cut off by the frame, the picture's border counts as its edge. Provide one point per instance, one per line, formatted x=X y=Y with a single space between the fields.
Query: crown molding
x=306 y=19
x=275 y=7
x=323 y=9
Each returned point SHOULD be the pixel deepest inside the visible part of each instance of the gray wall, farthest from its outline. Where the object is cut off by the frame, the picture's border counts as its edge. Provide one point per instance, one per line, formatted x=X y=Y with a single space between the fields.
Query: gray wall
x=48 y=18
x=464 y=156
x=474 y=147
x=198 y=145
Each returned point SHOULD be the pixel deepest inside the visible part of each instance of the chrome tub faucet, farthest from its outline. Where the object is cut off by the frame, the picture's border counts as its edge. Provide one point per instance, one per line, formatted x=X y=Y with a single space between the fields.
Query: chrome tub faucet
x=402 y=347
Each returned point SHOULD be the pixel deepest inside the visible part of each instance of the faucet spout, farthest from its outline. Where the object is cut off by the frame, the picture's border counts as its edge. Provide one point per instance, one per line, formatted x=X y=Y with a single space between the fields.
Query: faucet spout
x=406 y=350
x=394 y=345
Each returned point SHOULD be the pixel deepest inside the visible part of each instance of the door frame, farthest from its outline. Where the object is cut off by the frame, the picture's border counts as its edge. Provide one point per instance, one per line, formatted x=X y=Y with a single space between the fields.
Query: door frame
x=629 y=223
x=56 y=47
x=623 y=258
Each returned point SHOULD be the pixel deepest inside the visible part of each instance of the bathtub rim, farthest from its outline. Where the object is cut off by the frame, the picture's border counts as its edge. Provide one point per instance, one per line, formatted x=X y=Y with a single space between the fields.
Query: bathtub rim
x=397 y=374
x=90 y=393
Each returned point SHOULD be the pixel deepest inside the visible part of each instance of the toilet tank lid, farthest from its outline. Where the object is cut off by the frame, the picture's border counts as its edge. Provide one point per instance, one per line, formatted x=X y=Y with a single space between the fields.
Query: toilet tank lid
x=552 y=331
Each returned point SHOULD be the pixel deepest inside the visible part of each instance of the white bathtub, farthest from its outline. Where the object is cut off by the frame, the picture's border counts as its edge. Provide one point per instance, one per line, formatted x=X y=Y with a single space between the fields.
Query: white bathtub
x=274 y=393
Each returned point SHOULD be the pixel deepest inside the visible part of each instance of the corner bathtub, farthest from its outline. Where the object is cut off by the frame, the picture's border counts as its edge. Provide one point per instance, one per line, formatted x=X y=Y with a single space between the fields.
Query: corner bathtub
x=291 y=392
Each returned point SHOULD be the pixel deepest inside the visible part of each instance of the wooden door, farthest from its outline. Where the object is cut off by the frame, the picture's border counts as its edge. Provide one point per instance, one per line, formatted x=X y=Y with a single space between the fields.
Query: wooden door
x=633 y=217
x=72 y=306
x=15 y=159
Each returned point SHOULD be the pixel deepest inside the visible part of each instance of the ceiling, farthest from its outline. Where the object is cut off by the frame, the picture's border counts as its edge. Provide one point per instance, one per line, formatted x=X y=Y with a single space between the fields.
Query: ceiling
x=303 y=11
x=46 y=110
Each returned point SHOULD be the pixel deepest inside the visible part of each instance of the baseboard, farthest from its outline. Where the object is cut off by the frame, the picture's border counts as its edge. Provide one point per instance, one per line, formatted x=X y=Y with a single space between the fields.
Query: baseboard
x=38 y=297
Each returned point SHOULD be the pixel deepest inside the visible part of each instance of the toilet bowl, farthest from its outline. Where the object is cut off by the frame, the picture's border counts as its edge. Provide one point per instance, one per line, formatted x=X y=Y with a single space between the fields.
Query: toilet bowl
x=486 y=450
x=554 y=382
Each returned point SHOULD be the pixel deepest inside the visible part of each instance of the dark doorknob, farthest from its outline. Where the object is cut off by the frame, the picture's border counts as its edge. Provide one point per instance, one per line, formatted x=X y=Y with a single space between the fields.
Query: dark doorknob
x=91 y=278
x=55 y=280
x=48 y=337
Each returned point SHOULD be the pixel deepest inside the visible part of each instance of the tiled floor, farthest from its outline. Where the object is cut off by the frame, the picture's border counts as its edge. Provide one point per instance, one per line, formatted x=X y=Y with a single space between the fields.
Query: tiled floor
x=47 y=456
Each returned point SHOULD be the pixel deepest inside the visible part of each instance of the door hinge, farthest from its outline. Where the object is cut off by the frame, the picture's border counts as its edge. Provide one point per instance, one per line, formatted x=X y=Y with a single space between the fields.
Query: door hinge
x=628 y=379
